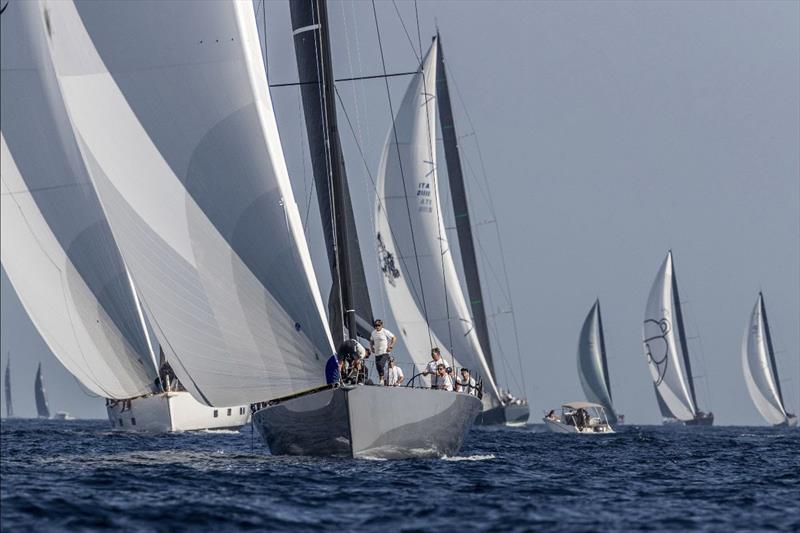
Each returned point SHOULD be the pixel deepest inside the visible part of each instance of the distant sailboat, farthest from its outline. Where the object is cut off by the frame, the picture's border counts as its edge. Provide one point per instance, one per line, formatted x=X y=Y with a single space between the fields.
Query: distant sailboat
x=9 y=405
x=42 y=409
x=761 y=370
x=592 y=362
x=664 y=340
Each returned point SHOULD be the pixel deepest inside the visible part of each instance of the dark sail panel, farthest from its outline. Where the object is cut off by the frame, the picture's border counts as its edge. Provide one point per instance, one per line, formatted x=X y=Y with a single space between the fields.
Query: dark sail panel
x=42 y=410
x=682 y=334
x=312 y=50
x=458 y=193
x=772 y=364
x=603 y=349
x=9 y=406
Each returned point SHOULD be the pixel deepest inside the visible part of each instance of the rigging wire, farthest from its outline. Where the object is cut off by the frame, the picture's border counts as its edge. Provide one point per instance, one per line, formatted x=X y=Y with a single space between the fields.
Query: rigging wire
x=410 y=41
x=402 y=173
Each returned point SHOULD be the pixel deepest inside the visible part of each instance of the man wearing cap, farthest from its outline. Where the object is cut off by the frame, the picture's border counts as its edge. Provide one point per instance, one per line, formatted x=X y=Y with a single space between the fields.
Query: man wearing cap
x=381 y=343
x=394 y=374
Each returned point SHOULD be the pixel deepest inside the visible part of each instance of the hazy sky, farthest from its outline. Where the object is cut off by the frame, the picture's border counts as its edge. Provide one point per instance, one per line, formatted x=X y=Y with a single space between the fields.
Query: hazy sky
x=610 y=132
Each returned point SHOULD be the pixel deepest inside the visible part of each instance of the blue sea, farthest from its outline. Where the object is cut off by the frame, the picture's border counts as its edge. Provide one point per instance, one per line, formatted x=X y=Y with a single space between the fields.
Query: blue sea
x=78 y=475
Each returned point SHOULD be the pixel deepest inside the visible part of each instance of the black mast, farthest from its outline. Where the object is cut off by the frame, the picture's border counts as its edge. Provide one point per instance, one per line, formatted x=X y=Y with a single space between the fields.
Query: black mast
x=682 y=333
x=349 y=306
x=460 y=208
x=772 y=363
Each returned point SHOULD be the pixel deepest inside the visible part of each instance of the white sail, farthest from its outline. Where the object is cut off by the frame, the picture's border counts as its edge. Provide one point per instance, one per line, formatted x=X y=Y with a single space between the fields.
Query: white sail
x=757 y=362
x=663 y=349
x=56 y=246
x=592 y=364
x=176 y=126
x=422 y=282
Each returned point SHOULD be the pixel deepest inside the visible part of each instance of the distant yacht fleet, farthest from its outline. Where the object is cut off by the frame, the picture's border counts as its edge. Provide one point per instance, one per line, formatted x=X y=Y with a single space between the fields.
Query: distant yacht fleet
x=150 y=230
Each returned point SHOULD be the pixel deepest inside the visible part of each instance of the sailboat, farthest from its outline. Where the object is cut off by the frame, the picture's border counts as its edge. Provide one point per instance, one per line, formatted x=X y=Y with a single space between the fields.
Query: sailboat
x=9 y=405
x=42 y=409
x=593 y=364
x=761 y=370
x=365 y=421
x=664 y=341
x=58 y=250
x=179 y=137
x=420 y=280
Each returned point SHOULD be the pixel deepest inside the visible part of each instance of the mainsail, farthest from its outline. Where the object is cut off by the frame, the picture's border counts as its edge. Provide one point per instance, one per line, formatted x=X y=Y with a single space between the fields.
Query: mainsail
x=420 y=278
x=458 y=194
x=314 y=66
x=57 y=248
x=42 y=410
x=760 y=369
x=665 y=347
x=592 y=362
x=176 y=127
x=9 y=405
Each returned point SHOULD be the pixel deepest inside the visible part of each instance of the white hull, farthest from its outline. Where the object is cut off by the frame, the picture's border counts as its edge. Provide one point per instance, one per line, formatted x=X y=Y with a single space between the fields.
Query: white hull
x=556 y=426
x=173 y=411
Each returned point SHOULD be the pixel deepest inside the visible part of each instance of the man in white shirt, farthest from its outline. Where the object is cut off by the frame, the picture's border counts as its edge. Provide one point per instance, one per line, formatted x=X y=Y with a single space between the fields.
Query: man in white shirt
x=466 y=383
x=430 y=368
x=394 y=374
x=381 y=343
x=443 y=380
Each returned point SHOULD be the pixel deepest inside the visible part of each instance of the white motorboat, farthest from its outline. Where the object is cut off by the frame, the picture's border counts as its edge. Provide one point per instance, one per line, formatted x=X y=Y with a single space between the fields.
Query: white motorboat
x=579 y=417
x=63 y=415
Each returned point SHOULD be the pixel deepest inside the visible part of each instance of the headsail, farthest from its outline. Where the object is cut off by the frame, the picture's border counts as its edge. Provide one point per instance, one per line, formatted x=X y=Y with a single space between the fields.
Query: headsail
x=665 y=346
x=42 y=410
x=760 y=370
x=57 y=248
x=420 y=278
x=9 y=405
x=312 y=49
x=592 y=362
x=175 y=123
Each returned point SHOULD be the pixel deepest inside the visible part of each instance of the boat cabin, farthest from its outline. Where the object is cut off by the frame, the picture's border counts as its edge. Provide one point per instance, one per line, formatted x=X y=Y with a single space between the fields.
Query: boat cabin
x=579 y=417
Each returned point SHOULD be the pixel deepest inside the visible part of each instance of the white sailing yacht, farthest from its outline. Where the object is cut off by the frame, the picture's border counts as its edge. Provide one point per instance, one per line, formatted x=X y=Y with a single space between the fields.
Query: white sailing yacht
x=420 y=279
x=664 y=342
x=593 y=364
x=57 y=248
x=761 y=370
x=176 y=128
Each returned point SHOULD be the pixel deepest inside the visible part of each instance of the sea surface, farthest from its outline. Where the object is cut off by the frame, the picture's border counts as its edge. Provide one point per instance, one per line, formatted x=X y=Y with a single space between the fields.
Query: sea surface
x=80 y=475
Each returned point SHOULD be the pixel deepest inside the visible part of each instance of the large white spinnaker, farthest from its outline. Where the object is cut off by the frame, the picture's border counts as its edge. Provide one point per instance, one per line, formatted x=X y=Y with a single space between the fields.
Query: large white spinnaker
x=592 y=362
x=758 y=363
x=663 y=347
x=172 y=109
x=57 y=248
x=422 y=286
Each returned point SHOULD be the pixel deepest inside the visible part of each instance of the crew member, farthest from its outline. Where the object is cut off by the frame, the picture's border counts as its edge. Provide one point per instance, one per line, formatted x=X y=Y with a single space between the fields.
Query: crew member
x=466 y=383
x=394 y=374
x=381 y=343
